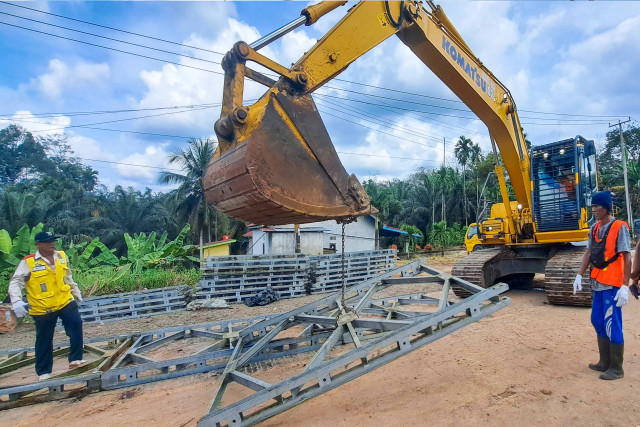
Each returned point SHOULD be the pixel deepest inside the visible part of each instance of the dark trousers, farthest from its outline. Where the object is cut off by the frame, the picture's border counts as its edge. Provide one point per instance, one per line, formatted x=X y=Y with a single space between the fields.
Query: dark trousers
x=45 y=327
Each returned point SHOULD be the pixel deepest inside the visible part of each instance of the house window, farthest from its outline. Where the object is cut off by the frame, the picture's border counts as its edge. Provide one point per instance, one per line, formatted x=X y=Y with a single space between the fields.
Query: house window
x=332 y=238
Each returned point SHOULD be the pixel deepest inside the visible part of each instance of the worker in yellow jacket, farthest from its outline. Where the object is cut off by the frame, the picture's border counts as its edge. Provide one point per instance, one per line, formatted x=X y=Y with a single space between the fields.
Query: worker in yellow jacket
x=52 y=294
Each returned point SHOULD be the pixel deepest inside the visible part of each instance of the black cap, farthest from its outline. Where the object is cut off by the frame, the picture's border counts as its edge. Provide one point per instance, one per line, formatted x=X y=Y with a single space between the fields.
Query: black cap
x=45 y=236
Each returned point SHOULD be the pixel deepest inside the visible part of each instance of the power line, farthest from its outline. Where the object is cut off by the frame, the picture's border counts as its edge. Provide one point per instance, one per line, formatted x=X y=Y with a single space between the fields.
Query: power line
x=128 y=164
x=444 y=124
x=466 y=110
x=112 y=28
x=220 y=53
x=130 y=110
x=563 y=124
x=388 y=157
x=354 y=100
x=139 y=133
x=422 y=113
x=112 y=48
x=461 y=102
x=110 y=38
x=378 y=120
x=379 y=131
x=105 y=122
x=100 y=112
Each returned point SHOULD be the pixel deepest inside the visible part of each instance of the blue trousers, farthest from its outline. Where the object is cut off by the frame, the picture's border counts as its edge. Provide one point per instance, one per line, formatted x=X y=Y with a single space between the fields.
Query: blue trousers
x=606 y=318
x=45 y=327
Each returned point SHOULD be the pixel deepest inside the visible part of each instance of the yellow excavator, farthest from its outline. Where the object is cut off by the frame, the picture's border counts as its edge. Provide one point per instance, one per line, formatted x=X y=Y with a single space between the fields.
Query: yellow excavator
x=276 y=164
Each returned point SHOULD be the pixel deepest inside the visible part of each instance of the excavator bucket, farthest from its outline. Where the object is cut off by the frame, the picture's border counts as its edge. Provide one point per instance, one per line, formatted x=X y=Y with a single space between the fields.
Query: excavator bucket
x=280 y=167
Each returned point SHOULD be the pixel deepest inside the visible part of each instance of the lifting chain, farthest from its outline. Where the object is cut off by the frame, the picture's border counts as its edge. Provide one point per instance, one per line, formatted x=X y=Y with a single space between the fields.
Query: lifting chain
x=344 y=282
x=347 y=314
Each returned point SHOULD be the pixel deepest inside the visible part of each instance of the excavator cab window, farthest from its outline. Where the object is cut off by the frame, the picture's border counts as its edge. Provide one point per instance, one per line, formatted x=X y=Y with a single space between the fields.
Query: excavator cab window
x=588 y=178
x=555 y=186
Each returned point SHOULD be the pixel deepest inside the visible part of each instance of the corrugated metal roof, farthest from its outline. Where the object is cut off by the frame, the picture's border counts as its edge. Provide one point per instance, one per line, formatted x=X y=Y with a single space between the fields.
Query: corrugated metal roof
x=393 y=230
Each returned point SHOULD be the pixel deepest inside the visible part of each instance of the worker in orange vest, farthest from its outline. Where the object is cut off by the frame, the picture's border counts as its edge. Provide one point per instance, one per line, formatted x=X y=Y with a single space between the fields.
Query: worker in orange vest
x=609 y=252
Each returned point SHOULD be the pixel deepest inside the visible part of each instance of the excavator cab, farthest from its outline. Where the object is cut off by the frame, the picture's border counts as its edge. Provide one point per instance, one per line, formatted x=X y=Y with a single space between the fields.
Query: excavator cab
x=564 y=178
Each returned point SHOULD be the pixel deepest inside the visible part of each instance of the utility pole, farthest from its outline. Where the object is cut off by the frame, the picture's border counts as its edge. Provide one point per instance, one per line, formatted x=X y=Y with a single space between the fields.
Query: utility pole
x=624 y=169
x=444 y=163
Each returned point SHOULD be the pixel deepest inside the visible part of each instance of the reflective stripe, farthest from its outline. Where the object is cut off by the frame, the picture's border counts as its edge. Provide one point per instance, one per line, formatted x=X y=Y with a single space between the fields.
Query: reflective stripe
x=46 y=289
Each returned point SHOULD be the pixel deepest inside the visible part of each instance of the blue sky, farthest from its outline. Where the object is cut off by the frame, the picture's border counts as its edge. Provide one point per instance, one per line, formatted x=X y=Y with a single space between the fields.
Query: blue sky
x=557 y=58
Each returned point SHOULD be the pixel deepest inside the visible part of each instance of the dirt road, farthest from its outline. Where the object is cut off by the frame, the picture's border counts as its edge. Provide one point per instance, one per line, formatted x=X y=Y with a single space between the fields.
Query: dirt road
x=526 y=365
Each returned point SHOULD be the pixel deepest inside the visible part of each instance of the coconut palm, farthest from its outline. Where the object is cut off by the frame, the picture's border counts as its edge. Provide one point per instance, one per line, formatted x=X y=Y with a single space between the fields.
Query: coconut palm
x=189 y=196
x=463 y=151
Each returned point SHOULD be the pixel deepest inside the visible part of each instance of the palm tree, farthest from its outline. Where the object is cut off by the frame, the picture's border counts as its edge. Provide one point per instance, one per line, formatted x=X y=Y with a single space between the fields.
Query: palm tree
x=463 y=151
x=474 y=157
x=191 y=203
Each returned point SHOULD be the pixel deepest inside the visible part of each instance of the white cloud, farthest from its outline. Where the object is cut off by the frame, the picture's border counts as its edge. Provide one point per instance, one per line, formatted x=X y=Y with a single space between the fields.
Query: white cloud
x=538 y=36
x=404 y=138
x=173 y=85
x=487 y=29
x=293 y=46
x=88 y=148
x=39 y=126
x=622 y=36
x=62 y=77
x=154 y=156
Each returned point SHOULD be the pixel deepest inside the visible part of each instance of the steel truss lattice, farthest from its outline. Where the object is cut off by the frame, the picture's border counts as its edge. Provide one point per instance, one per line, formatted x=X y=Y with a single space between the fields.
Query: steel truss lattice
x=378 y=331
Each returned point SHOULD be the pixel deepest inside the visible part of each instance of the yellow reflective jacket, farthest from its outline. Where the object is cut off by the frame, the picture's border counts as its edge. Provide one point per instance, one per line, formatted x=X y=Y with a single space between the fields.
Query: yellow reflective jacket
x=46 y=289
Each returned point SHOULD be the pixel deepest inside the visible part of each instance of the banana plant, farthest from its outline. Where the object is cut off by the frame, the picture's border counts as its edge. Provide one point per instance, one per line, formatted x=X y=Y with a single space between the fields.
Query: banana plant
x=13 y=250
x=144 y=252
x=81 y=255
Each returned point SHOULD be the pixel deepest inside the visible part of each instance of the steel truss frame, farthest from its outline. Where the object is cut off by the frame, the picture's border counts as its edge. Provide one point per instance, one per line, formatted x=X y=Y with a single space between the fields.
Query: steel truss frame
x=123 y=360
x=113 y=352
x=385 y=334
x=238 y=344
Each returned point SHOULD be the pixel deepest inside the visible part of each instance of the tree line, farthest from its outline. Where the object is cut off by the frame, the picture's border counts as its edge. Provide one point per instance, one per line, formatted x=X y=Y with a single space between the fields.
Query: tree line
x=41 y=181
x=451 y=196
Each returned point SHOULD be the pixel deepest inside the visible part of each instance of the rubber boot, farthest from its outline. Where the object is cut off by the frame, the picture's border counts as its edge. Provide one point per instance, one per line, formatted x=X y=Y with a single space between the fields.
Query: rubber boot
x=615 y=367
x=605 y=355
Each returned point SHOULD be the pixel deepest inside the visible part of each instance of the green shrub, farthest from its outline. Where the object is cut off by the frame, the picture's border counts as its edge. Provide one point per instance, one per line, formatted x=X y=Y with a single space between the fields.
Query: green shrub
x=5 y=276
x=100 y=282
x=97 y=282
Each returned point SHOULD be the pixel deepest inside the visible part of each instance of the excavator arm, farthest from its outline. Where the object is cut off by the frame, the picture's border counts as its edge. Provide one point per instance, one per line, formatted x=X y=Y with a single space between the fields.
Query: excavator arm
x=275 y=162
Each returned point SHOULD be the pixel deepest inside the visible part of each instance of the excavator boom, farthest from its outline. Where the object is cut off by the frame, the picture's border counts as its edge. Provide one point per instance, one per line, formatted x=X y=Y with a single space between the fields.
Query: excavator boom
x=275 y=162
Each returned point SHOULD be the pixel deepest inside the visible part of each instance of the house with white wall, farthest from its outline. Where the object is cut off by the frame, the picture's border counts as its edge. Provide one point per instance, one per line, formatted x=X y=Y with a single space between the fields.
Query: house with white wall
x=315 y=238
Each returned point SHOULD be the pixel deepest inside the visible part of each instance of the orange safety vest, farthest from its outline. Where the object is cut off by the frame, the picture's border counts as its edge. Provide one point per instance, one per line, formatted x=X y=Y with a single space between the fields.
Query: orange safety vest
x=613 y=274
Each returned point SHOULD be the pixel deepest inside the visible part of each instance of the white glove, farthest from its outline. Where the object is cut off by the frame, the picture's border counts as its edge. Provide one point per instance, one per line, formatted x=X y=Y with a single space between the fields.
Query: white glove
x=77 y=295
x=20 y=308
x=622 y=296
x=577 y=284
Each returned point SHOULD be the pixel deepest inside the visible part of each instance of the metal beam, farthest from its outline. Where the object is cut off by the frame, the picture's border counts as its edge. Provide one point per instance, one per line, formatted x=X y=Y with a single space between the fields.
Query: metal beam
x=332 y=373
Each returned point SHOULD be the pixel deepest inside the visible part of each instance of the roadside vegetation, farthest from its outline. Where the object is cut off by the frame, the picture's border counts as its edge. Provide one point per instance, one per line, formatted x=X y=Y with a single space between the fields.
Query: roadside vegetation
x=126 y=239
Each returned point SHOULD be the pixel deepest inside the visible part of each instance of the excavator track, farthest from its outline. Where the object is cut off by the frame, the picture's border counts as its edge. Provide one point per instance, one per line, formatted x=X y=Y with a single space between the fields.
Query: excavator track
x=471 y=268
x=560 y=273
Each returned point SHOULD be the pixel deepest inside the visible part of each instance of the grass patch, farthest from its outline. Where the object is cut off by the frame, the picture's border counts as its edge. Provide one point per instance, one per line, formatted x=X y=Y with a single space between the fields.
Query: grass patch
x=94 y=283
